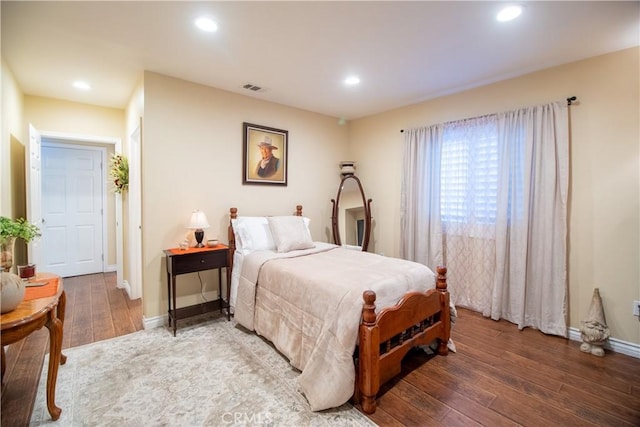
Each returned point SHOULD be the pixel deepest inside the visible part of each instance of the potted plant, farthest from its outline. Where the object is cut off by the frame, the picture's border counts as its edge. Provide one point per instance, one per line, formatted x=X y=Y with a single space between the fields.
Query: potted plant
x=10 y=230
x=12 y=288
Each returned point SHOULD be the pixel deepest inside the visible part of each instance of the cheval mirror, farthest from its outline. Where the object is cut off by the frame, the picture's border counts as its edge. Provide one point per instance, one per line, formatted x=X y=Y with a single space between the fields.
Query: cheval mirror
x=351 y=216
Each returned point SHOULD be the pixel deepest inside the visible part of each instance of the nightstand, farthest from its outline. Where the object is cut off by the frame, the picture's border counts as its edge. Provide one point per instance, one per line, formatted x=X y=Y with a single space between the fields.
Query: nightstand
x=192 y=260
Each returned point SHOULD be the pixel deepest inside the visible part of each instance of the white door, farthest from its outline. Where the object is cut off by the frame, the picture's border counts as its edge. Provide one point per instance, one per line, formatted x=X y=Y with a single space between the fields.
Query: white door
x=72 y=210
x=34 y=201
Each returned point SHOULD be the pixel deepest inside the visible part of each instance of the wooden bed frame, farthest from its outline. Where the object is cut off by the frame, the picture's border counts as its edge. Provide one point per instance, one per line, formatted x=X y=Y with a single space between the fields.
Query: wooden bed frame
x=384 y=339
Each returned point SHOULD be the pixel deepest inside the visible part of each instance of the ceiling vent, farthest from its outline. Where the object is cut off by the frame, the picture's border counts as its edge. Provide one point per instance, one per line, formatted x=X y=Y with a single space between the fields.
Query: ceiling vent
x=253 y=88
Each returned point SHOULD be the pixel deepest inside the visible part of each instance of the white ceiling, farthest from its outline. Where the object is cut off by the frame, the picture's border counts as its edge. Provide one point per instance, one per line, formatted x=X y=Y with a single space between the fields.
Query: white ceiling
x=300 y=52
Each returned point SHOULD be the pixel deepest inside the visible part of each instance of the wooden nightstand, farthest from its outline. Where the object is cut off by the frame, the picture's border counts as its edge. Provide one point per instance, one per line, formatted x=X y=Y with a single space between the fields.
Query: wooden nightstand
x=192 y=260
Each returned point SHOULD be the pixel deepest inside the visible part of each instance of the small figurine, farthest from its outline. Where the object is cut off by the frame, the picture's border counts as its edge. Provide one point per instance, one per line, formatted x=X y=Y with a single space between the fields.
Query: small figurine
x=593 y=329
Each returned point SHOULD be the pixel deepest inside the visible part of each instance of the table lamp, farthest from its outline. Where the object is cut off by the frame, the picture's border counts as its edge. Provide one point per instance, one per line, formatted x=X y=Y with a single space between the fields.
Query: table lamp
x=197 y=223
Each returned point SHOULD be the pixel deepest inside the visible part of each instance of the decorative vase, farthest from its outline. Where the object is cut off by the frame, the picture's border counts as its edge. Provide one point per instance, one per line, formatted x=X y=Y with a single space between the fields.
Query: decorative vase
x=11 y=291
x=7 y=245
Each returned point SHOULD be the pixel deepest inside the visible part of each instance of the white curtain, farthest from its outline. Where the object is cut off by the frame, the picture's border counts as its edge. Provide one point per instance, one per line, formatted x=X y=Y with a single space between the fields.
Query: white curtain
x=531 y=231
x=420 y=224
x=491 y=194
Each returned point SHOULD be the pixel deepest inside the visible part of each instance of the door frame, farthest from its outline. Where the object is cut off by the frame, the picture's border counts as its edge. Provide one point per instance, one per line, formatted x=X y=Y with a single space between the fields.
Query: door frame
x=65 y=138
x=135 y=214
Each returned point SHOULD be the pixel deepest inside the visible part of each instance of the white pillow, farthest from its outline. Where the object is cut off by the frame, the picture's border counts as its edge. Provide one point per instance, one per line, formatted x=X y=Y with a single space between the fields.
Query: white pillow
x=252 y=234
x=290 y=233
x=236 y=233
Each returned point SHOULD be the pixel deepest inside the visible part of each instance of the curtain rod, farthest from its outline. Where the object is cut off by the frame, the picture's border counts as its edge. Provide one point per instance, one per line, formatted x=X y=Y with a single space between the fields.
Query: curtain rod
x=570 y=100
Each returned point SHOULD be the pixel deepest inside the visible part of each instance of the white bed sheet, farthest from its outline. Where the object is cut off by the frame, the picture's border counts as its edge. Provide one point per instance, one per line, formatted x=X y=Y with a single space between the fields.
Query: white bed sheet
x=238 y=258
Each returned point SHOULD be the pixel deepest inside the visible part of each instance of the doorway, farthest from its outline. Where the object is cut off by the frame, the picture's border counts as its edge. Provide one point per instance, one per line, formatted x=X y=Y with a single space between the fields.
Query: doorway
x=111 y=225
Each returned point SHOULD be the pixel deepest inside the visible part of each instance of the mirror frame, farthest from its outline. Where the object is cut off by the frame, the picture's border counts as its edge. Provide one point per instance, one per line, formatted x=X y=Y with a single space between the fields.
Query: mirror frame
x=366 y=204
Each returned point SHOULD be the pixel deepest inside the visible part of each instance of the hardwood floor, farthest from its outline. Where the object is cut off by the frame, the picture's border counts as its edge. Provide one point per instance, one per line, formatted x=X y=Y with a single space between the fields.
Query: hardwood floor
x=96 y=310
x=499 y=376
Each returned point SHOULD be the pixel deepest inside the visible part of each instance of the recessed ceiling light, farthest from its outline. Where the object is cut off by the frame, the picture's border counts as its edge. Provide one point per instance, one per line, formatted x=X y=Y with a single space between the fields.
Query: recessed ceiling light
x=352 y=80
x=82 y=85
x=509 y=13
x=206 y=24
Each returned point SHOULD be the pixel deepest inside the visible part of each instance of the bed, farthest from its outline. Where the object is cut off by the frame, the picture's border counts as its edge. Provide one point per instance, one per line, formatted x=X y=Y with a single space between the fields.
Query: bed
x=344 y=318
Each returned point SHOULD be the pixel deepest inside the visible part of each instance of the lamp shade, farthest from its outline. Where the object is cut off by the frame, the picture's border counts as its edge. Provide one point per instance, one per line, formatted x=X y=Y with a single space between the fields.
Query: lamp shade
x=198 y=220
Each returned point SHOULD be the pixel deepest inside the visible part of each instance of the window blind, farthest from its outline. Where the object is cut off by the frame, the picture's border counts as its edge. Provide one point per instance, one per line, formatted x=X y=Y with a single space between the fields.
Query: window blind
x=469 y=173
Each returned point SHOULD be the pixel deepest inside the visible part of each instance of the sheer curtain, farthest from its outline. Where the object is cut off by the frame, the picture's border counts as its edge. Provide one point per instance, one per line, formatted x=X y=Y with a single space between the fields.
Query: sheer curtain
x=488 y=197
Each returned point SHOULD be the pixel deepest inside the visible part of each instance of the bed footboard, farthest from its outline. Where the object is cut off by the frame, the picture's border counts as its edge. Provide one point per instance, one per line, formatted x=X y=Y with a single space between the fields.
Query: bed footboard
x=418 y=318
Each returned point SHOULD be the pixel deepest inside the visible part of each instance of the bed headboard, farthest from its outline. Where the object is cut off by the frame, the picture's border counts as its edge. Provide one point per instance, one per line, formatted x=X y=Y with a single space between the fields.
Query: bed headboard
x=233 y=214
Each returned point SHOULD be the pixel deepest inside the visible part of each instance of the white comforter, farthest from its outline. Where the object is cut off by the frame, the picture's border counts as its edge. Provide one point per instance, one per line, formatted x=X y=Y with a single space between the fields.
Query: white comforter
x=309 y=304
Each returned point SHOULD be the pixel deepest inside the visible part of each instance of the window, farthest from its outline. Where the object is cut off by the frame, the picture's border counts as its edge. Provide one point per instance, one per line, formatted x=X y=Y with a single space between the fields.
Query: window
x=469 y=172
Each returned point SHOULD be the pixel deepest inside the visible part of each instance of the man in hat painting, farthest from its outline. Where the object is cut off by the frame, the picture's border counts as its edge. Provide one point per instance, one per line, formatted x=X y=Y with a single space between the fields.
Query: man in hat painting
x=269 y=164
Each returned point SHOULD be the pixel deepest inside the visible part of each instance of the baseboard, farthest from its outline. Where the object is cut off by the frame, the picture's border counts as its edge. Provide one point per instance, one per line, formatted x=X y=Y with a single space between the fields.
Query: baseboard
x=613 y=344
x=184 y=312
x=127 y=287
x=154 y=322
x=111 y=268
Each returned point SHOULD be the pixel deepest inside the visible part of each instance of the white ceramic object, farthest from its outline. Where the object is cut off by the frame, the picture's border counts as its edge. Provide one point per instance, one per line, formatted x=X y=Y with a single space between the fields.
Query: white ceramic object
x=11 y=292
x=212 y=243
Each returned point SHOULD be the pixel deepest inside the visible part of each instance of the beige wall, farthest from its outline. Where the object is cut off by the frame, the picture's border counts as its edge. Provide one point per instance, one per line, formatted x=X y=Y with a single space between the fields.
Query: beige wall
x=12 y=130
x=12 y=157
x=604 y=215
x=54 y=115
x=192 y=159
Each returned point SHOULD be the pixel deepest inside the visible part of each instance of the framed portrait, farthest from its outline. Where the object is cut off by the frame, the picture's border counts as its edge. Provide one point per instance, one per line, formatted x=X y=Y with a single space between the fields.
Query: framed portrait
x=265 y=152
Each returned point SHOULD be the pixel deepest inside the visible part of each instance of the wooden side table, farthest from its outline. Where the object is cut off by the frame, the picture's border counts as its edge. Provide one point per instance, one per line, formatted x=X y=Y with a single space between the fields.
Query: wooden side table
x=43 y=306
x=192 y=260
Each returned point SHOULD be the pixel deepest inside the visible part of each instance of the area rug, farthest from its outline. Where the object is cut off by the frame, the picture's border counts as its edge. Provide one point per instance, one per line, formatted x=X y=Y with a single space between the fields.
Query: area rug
x=213 y=373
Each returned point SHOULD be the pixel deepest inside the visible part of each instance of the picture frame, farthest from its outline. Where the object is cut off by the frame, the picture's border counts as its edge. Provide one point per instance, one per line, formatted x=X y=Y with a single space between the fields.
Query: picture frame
x=265 y=153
